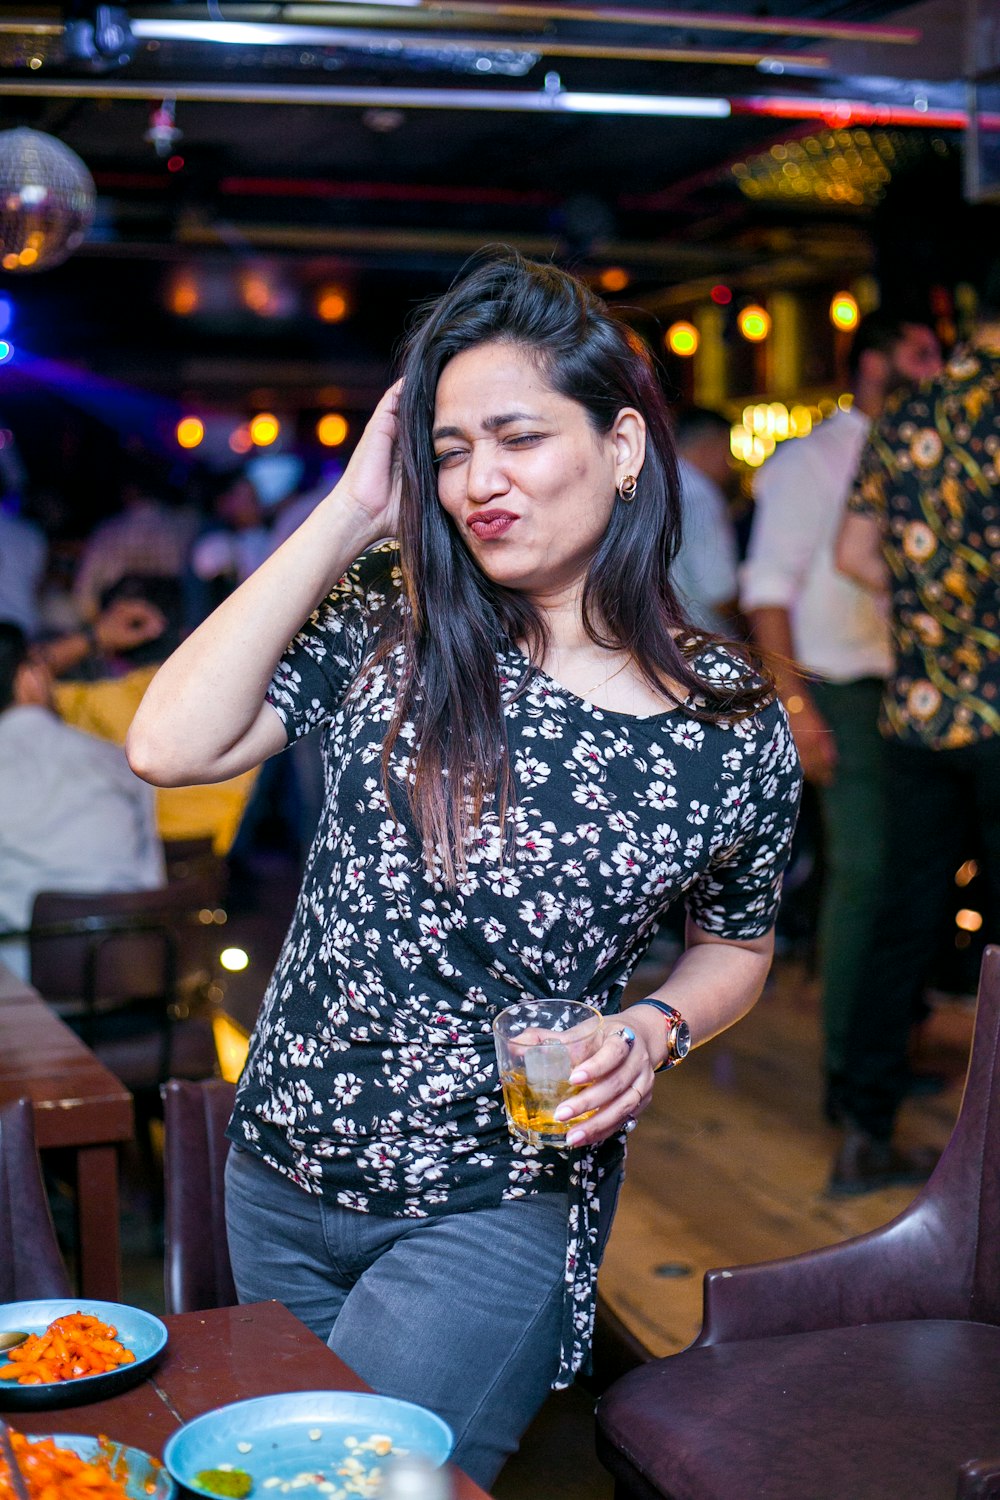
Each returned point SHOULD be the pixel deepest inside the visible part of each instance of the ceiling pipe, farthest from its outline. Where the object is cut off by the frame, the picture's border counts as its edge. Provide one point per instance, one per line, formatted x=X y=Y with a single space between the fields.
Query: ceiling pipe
x=235 y=33
x=318 y=19
x=861 y=31
x=554 y=100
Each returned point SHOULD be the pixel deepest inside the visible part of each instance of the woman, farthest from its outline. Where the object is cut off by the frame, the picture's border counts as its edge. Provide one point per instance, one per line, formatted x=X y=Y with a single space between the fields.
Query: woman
x=529 y=755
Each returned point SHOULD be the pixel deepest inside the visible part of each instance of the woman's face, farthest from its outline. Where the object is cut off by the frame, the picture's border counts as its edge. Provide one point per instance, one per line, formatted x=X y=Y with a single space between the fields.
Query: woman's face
x=522 y=472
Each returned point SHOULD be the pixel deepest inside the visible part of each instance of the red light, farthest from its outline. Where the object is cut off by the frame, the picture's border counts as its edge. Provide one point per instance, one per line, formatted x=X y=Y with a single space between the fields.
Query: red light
x=721 y=294
x=175 y=164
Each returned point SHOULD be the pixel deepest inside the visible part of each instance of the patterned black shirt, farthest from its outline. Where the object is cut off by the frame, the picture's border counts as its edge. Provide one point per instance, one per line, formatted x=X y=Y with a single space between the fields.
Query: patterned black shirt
x=371 y=1075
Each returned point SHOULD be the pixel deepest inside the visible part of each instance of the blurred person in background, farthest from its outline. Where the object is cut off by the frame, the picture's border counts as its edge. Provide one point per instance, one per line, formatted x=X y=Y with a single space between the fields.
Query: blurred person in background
x=114 y=660
x=24 y=554
x=828 y=641
x=233 y=544
x=704 y=572
x=148 y=536
x=922 y=535
x=73 y=816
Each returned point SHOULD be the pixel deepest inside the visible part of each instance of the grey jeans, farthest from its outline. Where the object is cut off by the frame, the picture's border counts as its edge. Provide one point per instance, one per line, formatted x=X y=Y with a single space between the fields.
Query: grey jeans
x=461 y=1313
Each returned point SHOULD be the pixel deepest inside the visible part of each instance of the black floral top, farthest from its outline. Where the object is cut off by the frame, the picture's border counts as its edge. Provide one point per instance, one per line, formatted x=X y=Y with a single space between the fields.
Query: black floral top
x=931 y=476
x=371 y=1075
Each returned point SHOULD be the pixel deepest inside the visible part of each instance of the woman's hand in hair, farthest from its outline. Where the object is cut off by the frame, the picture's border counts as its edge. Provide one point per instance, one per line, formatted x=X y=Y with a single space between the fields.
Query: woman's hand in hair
x=371 y=479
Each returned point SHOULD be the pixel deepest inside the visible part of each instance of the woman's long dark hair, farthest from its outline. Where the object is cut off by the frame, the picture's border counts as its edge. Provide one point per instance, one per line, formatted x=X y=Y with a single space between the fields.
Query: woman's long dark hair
x=458 y=618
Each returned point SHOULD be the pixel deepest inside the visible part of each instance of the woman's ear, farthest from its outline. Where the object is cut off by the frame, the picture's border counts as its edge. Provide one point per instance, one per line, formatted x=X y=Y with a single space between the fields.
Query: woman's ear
x=628 y=437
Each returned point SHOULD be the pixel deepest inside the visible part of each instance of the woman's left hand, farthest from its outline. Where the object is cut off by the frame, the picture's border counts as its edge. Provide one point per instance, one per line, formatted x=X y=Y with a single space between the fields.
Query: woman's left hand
x=618 y=1081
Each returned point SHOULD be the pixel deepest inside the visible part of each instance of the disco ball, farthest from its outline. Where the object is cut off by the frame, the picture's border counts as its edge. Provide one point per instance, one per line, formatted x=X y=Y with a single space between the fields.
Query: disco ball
x=47 y=199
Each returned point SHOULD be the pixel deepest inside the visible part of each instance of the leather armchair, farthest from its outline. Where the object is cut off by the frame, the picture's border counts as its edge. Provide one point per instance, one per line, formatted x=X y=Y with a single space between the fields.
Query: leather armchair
x=859 y=1371
x=197 y=1273
x=30 y=1263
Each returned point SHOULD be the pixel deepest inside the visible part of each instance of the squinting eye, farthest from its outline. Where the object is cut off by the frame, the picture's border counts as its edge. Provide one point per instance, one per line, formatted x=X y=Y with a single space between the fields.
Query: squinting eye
x=446 y=460
x=522 y=439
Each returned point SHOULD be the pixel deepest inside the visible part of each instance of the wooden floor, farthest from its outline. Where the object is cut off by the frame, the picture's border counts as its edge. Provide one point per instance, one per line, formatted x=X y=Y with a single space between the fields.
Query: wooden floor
x=730 y=1162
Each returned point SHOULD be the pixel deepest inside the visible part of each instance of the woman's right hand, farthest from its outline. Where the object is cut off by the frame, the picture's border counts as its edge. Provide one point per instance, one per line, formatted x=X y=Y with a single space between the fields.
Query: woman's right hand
x=371 y=479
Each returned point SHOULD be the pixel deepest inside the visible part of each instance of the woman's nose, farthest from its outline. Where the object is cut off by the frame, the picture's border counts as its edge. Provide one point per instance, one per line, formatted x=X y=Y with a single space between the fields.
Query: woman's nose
x=485 y=476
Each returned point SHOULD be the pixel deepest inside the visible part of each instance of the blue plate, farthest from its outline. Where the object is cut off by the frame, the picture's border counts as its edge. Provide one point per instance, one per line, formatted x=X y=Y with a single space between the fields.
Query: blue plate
x=303 y=1432
x=144 y=1476
x=139 y=1331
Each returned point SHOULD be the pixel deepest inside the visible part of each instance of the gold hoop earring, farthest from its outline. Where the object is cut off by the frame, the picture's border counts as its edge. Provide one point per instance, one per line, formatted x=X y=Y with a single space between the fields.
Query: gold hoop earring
x=627 y=489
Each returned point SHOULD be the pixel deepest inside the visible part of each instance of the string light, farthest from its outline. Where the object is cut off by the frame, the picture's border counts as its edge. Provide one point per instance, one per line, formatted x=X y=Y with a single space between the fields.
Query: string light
x=682 y=338
x=240 y=440
x=234 y=959
x=190 y=432
x=721 y=295
x=755 y=323
x=765 y=424
x=839 y=167
x=6 y=351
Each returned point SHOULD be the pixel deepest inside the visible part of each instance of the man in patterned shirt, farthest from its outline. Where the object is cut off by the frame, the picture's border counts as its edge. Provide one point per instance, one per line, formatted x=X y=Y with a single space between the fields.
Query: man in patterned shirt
x=923 y=525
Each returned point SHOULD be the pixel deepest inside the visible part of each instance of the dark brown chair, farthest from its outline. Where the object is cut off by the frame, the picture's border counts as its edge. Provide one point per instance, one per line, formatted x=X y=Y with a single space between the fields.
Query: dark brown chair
x=866 y=1370
x=196 y=859
x=133 y=973
x=30 y=1263
x=197 y=1273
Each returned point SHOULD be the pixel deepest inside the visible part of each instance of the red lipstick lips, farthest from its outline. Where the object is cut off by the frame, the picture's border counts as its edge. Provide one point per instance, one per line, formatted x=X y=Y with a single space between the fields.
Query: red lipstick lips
x=489 y=524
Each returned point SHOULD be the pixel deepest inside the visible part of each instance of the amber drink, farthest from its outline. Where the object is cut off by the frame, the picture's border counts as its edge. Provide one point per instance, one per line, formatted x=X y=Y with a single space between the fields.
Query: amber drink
x=539 y=1044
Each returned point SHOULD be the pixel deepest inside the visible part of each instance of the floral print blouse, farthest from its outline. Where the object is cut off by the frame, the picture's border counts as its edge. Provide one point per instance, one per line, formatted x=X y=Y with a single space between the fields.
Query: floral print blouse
x=931 y=477
x=371 y=1075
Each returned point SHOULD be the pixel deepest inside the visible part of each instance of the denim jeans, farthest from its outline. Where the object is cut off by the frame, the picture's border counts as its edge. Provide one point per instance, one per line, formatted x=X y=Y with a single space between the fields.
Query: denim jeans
x=460 y=1313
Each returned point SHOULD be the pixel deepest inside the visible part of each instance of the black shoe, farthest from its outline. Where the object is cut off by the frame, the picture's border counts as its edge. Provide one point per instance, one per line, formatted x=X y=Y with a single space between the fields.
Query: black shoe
x=864 y=1165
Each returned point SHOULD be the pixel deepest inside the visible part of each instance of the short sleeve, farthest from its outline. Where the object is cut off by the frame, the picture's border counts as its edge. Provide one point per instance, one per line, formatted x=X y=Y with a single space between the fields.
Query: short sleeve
x=788 y=526
x=315 y=672
x=738 y=895
x=867 y=496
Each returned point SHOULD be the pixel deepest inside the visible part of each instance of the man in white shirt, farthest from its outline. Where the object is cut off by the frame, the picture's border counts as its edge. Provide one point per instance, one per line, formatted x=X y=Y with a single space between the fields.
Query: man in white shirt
x=828 y=640
x=704 y=572
x=73 y=816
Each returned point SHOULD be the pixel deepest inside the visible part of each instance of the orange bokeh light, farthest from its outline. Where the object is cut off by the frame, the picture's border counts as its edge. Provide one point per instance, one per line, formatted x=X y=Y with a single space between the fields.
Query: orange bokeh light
x=332 y=429
x=264 y=429
x=190 y=431
x=681 y=338
x=331 y=304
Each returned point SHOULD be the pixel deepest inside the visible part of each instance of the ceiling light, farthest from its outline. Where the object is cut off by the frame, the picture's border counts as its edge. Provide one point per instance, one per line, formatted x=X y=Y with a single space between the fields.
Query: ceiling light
x=682 y=338
x=755 y=323
x=844 y=311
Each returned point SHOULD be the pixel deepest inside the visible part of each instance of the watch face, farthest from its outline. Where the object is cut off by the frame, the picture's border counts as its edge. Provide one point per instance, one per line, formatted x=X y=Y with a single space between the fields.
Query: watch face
x=682 y=1040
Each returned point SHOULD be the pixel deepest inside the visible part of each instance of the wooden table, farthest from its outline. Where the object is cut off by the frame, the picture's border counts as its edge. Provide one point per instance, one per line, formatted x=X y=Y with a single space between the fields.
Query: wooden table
x=79 y=1105
x=214 y=1357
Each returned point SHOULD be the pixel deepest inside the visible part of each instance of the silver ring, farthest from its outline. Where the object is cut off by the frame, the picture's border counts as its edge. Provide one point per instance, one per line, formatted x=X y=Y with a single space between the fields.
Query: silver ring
x=628 y=1125
x=628 y=1036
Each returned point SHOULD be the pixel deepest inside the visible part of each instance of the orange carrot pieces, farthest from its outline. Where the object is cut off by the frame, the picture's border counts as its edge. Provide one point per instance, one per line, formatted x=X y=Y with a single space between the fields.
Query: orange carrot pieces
x=52 y=1473
x=74 y=1345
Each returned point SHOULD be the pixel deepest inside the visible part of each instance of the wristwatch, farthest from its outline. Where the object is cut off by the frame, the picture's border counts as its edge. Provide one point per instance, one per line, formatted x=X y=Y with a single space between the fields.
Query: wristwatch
x=678 y=1033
